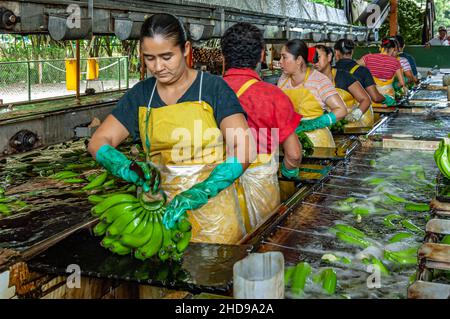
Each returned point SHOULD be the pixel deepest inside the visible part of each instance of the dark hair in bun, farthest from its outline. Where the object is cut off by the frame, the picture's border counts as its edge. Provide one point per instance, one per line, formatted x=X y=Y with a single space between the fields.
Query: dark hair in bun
x=345 y=46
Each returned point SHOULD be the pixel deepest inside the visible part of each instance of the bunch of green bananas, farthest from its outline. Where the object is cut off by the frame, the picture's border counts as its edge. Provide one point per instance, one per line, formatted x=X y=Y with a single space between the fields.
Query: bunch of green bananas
x=297 y=276
x=338 y=127
x=135 y=225
x=307 y=144
x=441 y=156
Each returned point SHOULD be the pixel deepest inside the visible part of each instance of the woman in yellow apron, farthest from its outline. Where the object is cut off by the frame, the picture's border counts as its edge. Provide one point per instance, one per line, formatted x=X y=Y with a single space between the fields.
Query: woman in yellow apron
x=360 y=113
x=181 y=116
x=271 y=117
x=343 y=54
x=311 y=93
x=384 y=67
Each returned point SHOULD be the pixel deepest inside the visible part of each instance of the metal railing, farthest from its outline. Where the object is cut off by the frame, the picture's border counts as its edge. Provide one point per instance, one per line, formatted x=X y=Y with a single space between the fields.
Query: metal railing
x=30 y=80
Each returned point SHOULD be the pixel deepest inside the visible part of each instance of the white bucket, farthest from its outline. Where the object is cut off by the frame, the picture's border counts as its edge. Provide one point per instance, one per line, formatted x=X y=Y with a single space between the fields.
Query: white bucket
x=259 y=276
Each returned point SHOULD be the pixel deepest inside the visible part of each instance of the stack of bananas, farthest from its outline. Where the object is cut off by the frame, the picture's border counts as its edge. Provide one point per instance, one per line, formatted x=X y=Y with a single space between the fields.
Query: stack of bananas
x=133 y=224
x=441 y=156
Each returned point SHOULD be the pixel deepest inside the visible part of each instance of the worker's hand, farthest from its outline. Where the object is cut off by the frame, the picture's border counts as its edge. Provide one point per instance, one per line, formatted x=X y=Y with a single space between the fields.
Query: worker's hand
x=325 y=120
x=139 y=173
x=355 y=115
x=405 y=91
x=389 y=100
x=289 y=173
x=198 y=195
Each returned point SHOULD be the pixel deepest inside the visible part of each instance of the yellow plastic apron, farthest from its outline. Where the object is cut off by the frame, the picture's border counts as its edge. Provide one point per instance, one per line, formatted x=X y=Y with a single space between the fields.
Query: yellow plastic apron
x=186 y=145
x=367 y=119
x=258 y=188
x=306 y=104
x=384 y=87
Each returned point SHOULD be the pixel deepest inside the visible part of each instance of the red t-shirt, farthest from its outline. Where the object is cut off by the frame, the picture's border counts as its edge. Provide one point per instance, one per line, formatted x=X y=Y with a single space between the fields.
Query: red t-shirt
x=382 y=66
x=268 y=109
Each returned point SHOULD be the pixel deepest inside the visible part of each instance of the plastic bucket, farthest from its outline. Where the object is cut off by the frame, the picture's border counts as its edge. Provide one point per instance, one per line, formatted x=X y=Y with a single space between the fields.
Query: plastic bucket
x=92 y=69
x=259 y=276
x=71 y=74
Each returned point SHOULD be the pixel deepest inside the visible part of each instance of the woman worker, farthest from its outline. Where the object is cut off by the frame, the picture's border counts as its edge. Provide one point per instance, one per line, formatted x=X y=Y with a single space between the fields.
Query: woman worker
x=385 y=67
x=181 y=116
x=343 y=50
x=311 y=92
x=271 y=117
x=351 y=91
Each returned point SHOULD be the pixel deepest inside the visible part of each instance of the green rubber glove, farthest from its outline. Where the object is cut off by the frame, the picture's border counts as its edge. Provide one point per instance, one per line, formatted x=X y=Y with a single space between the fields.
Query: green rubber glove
x=389 y=100
x=198 y=195
x=119 y=165
x=289 y=173
x=325 y=120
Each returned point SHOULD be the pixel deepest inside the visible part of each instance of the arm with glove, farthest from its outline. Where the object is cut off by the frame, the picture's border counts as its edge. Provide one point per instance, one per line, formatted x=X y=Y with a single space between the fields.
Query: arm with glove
x=363 y=99
x=102 y=146
x=338 y=112
x=243 y=152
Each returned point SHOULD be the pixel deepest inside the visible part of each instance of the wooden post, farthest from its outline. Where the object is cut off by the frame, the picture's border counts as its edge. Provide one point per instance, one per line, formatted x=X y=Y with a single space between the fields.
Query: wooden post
x=78 y=69
x=393 y=23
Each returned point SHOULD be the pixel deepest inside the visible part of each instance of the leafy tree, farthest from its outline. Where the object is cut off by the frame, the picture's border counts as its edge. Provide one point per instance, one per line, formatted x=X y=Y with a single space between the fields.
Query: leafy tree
x=442 y=13
x=410 y=21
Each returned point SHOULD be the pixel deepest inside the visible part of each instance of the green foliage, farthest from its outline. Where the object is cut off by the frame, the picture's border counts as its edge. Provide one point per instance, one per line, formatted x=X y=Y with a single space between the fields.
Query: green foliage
x=442 y=13
x=410 y=20
x=329 y=3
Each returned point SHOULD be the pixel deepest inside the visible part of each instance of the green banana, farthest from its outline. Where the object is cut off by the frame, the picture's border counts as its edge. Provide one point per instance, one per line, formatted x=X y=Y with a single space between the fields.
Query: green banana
x=381 y=266
x=155 y=243
x=83 y=166
x=131 y=227
x=389 y=219
x=4 y=210
x=444 y=161
x=100 y=228
x=168 y=243
x=177 y=235
x=144 y=220
x=399 y=237
x=374 y=181
x=417 y=207
x=358 y=210
x=395 y=198
x=184 y=242
x=176 y=256
x=288 y=272
x=395 y=257
x=119 y=224
x=412 y=227
x=301 y=273
x=113 y=213
x=107 y=241
x=329 y=281
x=95 y=199
x=438 y=154
x=117 y=248
x=138 y=239
x=64 y=175
x=163 y=254
x=111 y=201
x=109 y=183
x=350 y=230
x=96 y=182
x=446 y=240
x=348 y=238
x=184 y=225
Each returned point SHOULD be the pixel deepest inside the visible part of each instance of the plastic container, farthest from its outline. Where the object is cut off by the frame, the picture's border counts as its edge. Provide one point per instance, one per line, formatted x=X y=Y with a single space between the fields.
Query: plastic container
x=259 y=276
x=71 y=74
